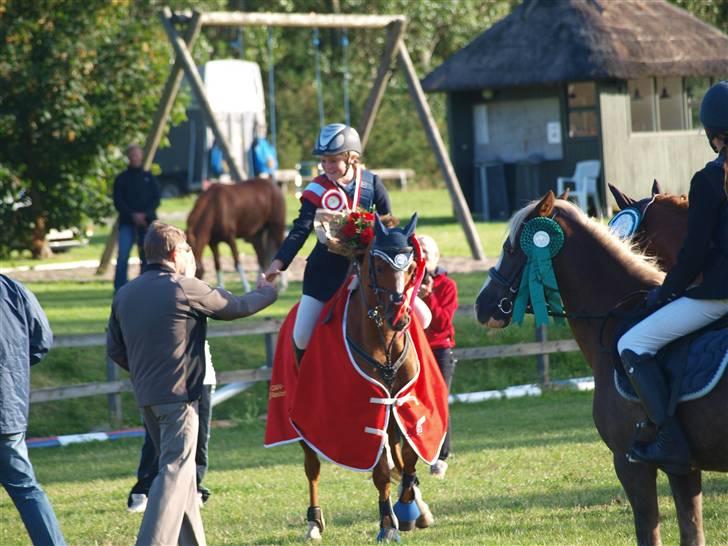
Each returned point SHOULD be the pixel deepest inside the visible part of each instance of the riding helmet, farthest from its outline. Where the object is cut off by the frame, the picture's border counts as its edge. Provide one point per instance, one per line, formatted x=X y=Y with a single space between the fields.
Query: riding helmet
x=337 y=138
x=714 y=108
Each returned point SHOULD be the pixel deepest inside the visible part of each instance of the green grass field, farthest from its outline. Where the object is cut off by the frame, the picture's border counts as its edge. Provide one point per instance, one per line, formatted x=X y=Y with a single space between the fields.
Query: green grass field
x=523 y=472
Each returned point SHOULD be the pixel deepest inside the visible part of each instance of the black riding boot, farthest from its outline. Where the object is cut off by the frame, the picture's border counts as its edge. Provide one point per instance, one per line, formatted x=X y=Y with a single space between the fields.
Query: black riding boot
x=670 y=450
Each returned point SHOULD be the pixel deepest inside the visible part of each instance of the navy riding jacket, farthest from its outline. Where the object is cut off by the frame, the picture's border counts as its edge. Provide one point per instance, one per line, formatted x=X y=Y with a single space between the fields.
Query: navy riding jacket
x=705 y=248
x=325 y=271
x=25 y=338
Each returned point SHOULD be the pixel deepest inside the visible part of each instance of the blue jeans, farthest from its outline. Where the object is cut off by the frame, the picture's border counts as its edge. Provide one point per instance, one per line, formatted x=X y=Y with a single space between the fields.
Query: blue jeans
x=128 y=235
x=18 y=479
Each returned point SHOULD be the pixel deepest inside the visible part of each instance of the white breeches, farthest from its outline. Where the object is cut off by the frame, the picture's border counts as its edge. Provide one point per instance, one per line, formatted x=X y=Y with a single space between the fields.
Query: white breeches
x=676 y=319
x=308 y=313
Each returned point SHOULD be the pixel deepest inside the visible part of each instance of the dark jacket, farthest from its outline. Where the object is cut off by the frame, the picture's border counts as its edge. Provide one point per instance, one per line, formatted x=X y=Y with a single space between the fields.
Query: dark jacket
x=325 y=271
x=158 y=326
x=25 y=338
x=136 y=190
x=705 y=248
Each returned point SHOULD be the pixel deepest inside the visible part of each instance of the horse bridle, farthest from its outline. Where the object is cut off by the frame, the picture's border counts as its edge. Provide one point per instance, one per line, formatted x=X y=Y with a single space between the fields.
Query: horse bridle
x=510 y=283
x=378 y=314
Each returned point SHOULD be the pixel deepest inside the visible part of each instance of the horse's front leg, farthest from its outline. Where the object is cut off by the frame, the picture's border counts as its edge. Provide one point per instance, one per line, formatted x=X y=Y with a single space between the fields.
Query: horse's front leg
x=314 y=515
x=640 y=484
x=388 y=524
x=411 y=509
x=238 y=262
x=218 y=266
x=688 y=494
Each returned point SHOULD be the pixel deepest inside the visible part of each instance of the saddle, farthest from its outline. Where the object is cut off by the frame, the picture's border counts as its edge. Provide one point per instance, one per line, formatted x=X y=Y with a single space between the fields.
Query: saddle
x=693 y=364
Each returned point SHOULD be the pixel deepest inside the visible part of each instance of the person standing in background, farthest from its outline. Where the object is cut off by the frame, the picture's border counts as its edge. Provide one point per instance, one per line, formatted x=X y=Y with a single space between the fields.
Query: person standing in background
x=440 y=293
x=136 y=198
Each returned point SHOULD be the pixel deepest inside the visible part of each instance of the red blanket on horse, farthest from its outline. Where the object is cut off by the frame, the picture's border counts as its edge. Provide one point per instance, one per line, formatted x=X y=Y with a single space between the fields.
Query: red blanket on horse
x=342 y=412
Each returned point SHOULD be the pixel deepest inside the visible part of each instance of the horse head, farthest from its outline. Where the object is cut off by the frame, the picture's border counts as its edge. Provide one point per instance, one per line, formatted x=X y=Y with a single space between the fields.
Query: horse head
x=662 y=223
x=388 y=268
x=595 y=270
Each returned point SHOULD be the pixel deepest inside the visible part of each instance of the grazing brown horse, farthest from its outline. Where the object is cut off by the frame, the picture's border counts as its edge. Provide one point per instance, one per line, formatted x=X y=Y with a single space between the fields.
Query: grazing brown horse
x=254 y=210
x=380 y=339
x=597 y=274
x=664 y=222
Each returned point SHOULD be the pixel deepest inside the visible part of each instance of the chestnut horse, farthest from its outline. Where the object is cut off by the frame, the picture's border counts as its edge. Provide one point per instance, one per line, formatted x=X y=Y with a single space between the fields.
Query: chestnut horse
x=254 y=210
x=596 y=274
x=379 y=333
x=663 y=224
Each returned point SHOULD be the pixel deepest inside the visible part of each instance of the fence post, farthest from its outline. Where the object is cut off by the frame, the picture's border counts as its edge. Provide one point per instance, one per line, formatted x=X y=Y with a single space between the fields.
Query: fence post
x=542 y=361
x=270 y=348
x=112 y=374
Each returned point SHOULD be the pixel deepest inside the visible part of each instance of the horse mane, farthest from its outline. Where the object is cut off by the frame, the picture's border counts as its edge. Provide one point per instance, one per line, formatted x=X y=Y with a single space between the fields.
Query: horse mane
x=626 y=251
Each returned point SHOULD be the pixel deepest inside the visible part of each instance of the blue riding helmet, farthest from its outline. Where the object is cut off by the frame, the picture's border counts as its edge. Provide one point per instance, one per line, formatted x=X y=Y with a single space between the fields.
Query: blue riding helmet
x=394 y=245
x=337 y=138
x=714 y=111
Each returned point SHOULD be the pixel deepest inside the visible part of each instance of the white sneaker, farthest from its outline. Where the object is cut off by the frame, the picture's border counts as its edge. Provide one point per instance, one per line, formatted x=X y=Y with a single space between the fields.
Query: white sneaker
x=138 y=503
x=200 y=502
x=439 y=469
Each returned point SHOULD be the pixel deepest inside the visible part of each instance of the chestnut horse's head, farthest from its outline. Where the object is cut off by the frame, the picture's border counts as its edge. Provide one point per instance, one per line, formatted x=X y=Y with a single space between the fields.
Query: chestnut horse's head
x=388 y=272
x=663 y=222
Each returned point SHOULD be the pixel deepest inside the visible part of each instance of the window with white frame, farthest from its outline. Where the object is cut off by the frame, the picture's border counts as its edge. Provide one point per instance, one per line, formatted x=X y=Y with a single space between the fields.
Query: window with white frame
x=666 y=104
x=582 y=108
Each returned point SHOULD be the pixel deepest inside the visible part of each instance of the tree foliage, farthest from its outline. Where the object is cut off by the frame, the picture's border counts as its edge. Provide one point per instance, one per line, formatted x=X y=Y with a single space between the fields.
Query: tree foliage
x=78 y=82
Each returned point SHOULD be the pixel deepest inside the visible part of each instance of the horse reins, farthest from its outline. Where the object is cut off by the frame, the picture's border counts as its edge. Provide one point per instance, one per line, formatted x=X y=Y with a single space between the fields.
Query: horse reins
x=376 y=314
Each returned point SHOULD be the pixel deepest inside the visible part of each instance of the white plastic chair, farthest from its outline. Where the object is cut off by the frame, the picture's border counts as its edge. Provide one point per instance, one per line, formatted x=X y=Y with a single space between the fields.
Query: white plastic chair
x=583 y=184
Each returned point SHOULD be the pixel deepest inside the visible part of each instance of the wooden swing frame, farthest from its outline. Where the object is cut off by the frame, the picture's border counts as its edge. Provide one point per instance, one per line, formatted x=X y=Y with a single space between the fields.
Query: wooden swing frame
x=394 y=50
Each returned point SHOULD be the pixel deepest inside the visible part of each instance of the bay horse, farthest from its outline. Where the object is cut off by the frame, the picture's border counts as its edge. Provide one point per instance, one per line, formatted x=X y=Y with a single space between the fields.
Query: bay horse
x=664 y=222
x=382 y=365
x=596 y=275
x=254 y=210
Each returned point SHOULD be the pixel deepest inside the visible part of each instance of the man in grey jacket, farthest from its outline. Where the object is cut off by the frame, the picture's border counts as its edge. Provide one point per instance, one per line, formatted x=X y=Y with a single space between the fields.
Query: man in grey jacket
x=25 y=338
x=157 y=331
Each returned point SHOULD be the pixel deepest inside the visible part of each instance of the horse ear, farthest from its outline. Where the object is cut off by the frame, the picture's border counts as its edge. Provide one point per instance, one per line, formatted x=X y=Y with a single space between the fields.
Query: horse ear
x=565 y=194
x=380 y=230
x=656 y=188
x=546 y=206
x=410 y=227
x=622 y=200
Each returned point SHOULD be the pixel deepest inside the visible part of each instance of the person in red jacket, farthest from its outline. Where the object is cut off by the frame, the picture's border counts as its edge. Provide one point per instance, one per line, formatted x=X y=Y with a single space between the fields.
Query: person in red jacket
x=440 y=293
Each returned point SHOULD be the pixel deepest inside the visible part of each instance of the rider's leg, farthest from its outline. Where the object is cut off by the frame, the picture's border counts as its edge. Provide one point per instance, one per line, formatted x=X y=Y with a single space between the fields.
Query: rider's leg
x=637 y=349
x=308 y=313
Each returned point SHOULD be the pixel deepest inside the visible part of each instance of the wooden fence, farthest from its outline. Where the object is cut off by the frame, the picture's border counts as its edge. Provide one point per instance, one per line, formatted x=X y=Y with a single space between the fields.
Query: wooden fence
x=541 y=348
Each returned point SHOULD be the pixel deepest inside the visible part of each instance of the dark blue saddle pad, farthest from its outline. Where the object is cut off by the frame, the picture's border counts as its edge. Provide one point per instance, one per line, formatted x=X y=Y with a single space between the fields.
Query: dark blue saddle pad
x=704 y=358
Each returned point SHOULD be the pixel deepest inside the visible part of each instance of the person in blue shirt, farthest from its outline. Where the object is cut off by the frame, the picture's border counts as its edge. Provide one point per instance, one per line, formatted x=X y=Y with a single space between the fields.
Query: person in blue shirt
x=265 y=158
x=344 y=185
x=25 y=338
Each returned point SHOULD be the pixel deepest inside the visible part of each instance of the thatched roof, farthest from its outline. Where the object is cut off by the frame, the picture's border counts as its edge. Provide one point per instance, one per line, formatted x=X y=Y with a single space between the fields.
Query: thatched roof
x=551 y=41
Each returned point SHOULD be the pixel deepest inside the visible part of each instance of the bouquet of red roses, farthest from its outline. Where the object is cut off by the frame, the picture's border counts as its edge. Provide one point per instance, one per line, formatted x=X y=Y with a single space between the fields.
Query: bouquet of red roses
x=346 y=233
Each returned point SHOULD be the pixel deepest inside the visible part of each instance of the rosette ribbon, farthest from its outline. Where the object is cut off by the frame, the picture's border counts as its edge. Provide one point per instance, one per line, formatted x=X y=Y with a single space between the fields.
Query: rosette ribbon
x=541 y=239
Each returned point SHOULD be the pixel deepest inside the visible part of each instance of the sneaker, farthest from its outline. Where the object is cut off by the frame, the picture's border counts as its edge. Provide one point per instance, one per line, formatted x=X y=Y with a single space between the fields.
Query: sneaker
x=200 y=502
x=439 y=469
x=137 y=503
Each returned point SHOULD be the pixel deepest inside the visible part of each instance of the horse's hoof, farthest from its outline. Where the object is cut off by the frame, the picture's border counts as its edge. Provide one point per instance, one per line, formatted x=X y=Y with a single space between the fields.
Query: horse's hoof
x=313 y=533
x=425 y=520
x=390 y=534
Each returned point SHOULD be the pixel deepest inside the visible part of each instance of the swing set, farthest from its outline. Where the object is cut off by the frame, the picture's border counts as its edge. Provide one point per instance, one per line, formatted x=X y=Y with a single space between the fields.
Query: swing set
x=395 y=51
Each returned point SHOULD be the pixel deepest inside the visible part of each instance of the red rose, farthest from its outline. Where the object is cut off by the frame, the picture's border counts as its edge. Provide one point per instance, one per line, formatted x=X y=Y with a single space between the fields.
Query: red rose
x=366 y=236
x=349 y=230
x=354 y=216
x=368 y=216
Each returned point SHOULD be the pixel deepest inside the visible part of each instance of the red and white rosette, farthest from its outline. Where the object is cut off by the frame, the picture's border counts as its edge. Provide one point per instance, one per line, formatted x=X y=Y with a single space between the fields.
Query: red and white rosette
x=334 y=199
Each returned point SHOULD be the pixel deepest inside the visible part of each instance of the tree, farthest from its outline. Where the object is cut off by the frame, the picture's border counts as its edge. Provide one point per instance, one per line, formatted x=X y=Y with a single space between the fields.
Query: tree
x=78 y=82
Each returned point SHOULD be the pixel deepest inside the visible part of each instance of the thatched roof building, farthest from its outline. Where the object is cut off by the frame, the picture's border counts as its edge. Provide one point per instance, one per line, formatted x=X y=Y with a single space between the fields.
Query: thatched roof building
x=550 y=41
x=557 y=83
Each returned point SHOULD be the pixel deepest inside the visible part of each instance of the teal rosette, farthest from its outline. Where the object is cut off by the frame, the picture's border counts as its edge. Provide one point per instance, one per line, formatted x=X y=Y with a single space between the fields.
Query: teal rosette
x=541 y=239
